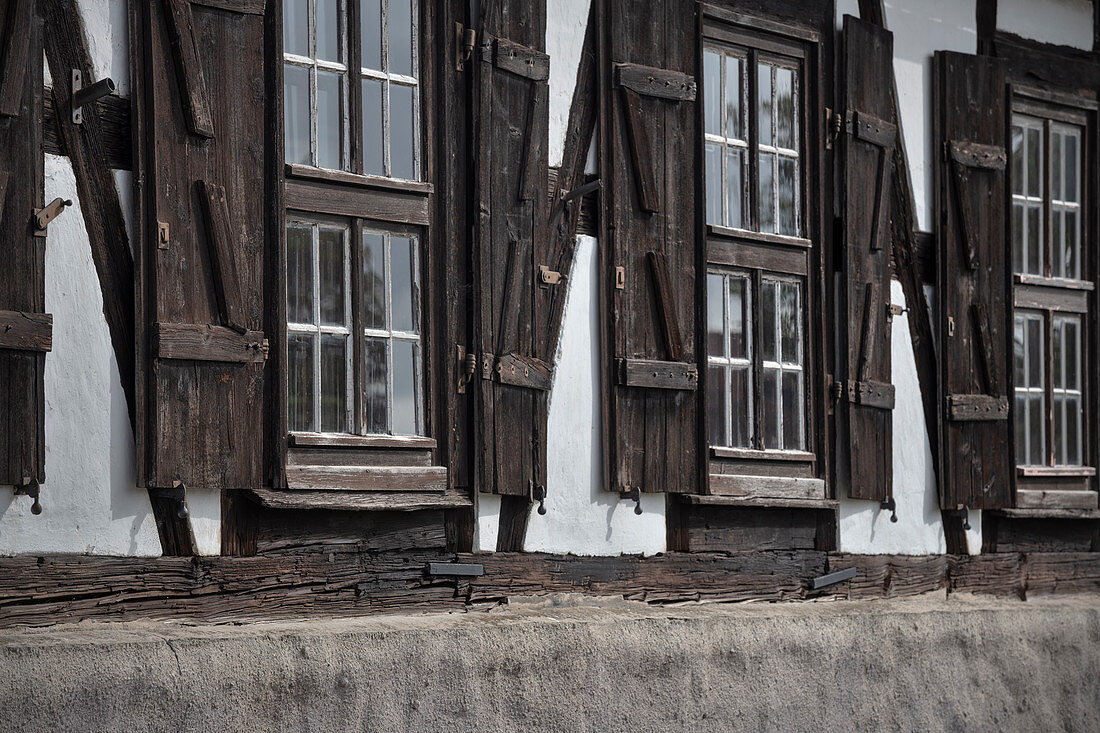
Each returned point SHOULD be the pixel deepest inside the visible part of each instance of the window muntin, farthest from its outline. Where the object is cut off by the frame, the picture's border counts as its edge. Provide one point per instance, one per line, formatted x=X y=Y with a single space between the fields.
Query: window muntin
x=390 y=88
x=315 y=83
x=318 y=328
x=751 y=126
x=756 y=394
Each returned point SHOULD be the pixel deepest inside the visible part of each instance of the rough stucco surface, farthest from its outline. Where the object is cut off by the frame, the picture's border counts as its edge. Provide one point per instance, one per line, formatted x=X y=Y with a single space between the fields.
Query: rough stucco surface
x=569 y=664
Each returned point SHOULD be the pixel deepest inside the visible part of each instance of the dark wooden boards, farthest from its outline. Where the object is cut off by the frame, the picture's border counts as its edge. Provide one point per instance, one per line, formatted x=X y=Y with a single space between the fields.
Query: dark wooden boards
x=114 y=115
x=975 y=465
x=24 y=325
x=649 y=164
x=344 y=565
x=864 y=418
x=200 y=121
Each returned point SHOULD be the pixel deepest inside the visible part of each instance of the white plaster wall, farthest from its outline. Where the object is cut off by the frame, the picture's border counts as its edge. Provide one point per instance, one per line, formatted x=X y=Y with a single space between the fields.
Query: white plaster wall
x=582 y=517
x=1063 y=22
x=566 y=21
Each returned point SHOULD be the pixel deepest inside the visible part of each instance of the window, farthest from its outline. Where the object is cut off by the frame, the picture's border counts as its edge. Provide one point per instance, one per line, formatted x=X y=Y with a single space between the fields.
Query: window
x=1052 y=294
x=357 y=220
x=758 y=259
x=751 y=121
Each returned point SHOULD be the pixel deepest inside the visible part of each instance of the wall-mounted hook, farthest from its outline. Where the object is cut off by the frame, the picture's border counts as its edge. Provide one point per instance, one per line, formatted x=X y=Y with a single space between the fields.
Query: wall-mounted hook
x=82 y=96
x=966 y=518
x=634 y=495
x=892 y=506
x=178 y=494
x=538 y=493
x=48 y=213
x=31 y=488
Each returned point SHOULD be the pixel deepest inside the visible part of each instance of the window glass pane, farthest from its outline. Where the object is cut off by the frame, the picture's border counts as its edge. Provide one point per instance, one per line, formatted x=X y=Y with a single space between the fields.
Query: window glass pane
x=771 y=408
x=331 y=256
x=296 y=114
x=739 y=317
x=1017 y=238
x=741 y=404
x=1017 y=159
x=370 y=24
x=402 y=132
x=296 y=27
x=787 y=183
x=400 y=22
x=764 y=103
x=715 y=315
x=405 y=281
x=1071 y=167
x=1070 y=260
x=733 y=99
x=406 y=375
x=1018 y=351
x=716 y=405
x=300 y=382
x=1035 y=352
x=1073 y=431
x=372 y=284
x=328 y=30
x=1072 y=340
x=1059 y=436
x=1058 y=253
x=767 y=316
x=375 y=418
x=1058 y=358
x=792 y=411
x=1034 y=232
x=1037 y=430
x=329 y=122
x=734 y=191
x=1021 y=429
x=767 y=193
x=372 y=128
x=712 y=87
x=789 y=323
x=299 y=273
x=334 y=389
x=784 y=108
x=1056 y=166
x=1034 y=163
x=714 y=184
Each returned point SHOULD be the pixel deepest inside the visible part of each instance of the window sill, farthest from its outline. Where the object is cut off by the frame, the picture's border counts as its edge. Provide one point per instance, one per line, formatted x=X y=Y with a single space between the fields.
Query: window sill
x=308 y=172
x=1073 y=498
x=1054 y=282
x=737 y=486
x=1053 y=513
x=1055 y=471
x=339 y=440
x=748 y=454
x=759 y=501
x=375 y=479
x=746 y=234
x=361 y=501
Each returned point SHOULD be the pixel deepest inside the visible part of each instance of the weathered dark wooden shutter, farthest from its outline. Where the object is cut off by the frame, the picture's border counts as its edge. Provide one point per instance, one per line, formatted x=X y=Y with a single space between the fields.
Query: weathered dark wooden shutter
x=865 y=409
x=200 y=257
x=511 y=163
x=652 y=432
x=971 y=279
x=26 y=331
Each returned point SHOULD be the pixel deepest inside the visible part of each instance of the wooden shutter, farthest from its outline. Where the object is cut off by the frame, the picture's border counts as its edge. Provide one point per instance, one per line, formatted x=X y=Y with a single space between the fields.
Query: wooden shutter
x=200 y=281
x=511 y=163
x=971 y=281
x=26 y=331
x=651 y=427
x=865 y=410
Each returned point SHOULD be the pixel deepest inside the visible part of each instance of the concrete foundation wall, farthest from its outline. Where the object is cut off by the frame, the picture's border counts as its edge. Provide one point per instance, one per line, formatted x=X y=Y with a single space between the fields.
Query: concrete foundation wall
x=567 y=665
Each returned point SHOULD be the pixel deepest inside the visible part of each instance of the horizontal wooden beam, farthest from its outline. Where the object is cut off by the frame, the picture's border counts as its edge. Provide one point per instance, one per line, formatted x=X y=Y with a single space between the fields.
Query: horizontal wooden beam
x=359 y=501
x=204 y=342
x=367 y=478
x=736 y=485
x=1055 y=499
x=348 y=581
x=26 y=331
x=114 y=114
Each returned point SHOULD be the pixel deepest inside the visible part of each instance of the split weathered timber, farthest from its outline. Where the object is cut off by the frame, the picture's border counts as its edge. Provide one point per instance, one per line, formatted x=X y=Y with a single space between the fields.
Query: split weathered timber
x=88 y=150
x=20 y=331
x=385 y=571
x=114 y=114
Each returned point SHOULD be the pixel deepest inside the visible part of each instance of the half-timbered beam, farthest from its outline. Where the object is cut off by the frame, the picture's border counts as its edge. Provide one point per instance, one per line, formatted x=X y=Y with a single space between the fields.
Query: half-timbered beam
x=114 y=115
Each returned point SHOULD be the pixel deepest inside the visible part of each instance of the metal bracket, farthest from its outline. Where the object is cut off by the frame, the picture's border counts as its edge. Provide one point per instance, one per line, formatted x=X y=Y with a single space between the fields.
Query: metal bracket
x=52 y=210
x=467 y=366
x=832 y=578
x=966 y=516
x=82 y=97
x=833 y=125
x=891 y=506
x=31 y=488
x=635 y=495
x=894 y=310
x=567 y=196
x=164 y=235
x=549 y=277
x=538 y=493
x=465 y=42
x=456 y=569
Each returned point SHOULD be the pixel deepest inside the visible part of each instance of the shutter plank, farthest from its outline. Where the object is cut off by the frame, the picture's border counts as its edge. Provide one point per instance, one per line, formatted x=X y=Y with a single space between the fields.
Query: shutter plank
x=653 y=82
x=971 y=288
x=864 y=417
x=655 y=374
x=204 y=342
x=219 y=236
x=641 y=157
x=666 y=306
x=192 y=82
x=15 y=54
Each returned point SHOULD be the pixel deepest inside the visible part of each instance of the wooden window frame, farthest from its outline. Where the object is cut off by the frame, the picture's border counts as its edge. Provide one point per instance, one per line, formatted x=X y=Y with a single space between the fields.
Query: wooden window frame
x=777 y=474
x=1049 y=297
x=395 y=464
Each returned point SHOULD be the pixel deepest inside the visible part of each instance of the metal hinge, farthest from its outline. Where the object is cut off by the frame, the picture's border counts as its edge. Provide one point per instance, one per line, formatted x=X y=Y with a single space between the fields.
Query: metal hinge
x=549 y=277
x=834 y=123
x=49 y=212
x=467 y=366
x=465 y=41
x=892 y=311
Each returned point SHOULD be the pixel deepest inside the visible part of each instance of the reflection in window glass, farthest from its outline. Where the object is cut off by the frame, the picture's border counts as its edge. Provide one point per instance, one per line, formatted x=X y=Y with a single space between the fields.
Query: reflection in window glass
x=778 y=149
x=783 y=378
x=315 y=83
x=1067 y=397
x=1030 y=392
x=729 y=402
x=391 y=140
x=318 y=358
x=726 y=139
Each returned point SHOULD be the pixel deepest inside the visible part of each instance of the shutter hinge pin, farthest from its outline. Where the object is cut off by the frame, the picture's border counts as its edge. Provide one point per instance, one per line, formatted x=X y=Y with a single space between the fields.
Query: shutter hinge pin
x=467 y=366
x=465 y=41
x=31 y=488
x=52 y=210
x=966 y=517
x=538 y=493
x=83 y=96
x=891 y=506
x=178 y=494
x=620 y=278
x=834 y=124
x=894 y=310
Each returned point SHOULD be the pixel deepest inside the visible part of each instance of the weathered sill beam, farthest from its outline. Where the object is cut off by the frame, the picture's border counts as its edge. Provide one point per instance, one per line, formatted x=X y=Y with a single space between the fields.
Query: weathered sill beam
x=112 y=111
x=348 y=581
x=67 y=49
